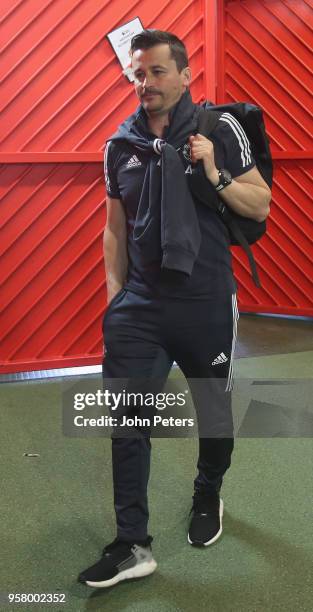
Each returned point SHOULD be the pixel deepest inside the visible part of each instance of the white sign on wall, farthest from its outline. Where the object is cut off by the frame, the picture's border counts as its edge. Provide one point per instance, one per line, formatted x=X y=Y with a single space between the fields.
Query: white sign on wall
x=120 y=41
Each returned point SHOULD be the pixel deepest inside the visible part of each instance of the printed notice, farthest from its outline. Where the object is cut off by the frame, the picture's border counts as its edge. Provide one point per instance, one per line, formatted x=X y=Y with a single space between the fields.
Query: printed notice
x=120 y=41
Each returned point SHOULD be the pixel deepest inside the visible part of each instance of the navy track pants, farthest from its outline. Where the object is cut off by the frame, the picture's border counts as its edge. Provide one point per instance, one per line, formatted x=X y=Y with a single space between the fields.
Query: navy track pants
x=143 y=337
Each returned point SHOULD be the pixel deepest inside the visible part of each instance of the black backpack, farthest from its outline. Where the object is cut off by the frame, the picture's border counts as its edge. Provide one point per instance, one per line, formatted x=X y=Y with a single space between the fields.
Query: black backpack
x=243 y=231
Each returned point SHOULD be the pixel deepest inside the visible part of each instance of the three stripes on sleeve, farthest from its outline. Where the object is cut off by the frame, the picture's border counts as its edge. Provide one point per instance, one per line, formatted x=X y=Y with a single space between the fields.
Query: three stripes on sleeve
x=245 y=149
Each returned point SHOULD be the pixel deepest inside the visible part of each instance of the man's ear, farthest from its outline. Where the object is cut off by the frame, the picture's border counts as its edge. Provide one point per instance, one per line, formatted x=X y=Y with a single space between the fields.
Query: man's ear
x=186 y=73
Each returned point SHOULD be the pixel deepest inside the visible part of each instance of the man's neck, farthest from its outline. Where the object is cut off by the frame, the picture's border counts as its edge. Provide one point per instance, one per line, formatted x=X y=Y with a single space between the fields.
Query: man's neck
x=157 y=124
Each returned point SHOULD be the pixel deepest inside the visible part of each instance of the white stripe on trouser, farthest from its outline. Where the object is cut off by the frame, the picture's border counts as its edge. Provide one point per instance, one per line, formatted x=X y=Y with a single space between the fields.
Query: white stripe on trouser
x=230 y=379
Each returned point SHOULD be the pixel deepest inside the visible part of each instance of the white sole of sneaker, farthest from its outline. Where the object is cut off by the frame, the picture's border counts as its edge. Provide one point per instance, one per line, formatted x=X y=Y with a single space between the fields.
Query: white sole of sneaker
x=138 y=571
x=217 y=535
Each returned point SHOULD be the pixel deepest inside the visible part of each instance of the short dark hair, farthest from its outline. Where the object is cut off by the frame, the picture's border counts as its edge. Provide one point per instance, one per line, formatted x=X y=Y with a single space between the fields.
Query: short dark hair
x=150 y=38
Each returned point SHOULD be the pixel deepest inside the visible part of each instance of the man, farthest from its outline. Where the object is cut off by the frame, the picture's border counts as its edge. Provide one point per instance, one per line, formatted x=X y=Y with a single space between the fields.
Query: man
x=171 y=291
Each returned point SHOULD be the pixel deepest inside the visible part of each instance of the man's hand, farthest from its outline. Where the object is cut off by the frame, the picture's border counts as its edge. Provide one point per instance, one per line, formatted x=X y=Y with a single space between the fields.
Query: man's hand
x=202 y=148
x=112 y=290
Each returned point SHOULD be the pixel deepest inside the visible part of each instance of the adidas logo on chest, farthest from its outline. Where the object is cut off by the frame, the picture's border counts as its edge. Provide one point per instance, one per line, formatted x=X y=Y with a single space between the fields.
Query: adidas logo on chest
x=133 y=162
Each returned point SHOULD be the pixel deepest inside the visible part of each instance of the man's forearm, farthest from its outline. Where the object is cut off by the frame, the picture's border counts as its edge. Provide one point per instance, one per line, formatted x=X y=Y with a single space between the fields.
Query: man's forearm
x=115 y=261
x=246 y=199
x=247 y=194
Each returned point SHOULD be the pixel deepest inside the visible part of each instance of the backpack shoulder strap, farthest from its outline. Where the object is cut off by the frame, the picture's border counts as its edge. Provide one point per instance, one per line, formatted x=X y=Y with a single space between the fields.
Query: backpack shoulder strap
x=207 y=121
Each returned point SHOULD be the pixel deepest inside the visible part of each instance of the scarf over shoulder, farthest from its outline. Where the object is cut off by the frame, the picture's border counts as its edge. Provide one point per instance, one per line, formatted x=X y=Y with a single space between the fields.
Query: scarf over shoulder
x=166 y=216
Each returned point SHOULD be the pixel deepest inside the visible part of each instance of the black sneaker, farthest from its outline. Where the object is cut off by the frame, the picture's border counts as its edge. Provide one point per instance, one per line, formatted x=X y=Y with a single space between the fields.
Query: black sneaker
x=120 y=561
x=206 y=523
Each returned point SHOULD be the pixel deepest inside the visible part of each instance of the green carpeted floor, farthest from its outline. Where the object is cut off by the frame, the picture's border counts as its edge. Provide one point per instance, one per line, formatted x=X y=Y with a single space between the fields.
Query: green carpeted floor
x=56 y=513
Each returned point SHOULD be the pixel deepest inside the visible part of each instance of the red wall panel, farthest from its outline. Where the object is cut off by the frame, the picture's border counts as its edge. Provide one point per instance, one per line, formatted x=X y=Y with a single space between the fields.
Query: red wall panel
x=62 y=94
x=265 y=55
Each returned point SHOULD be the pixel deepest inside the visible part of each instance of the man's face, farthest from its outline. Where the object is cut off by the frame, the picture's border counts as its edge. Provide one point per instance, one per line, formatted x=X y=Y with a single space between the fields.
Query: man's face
x=158 y=84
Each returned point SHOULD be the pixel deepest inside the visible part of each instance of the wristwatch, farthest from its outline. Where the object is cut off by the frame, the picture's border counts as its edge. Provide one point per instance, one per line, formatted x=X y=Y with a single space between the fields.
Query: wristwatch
x=225 y=179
